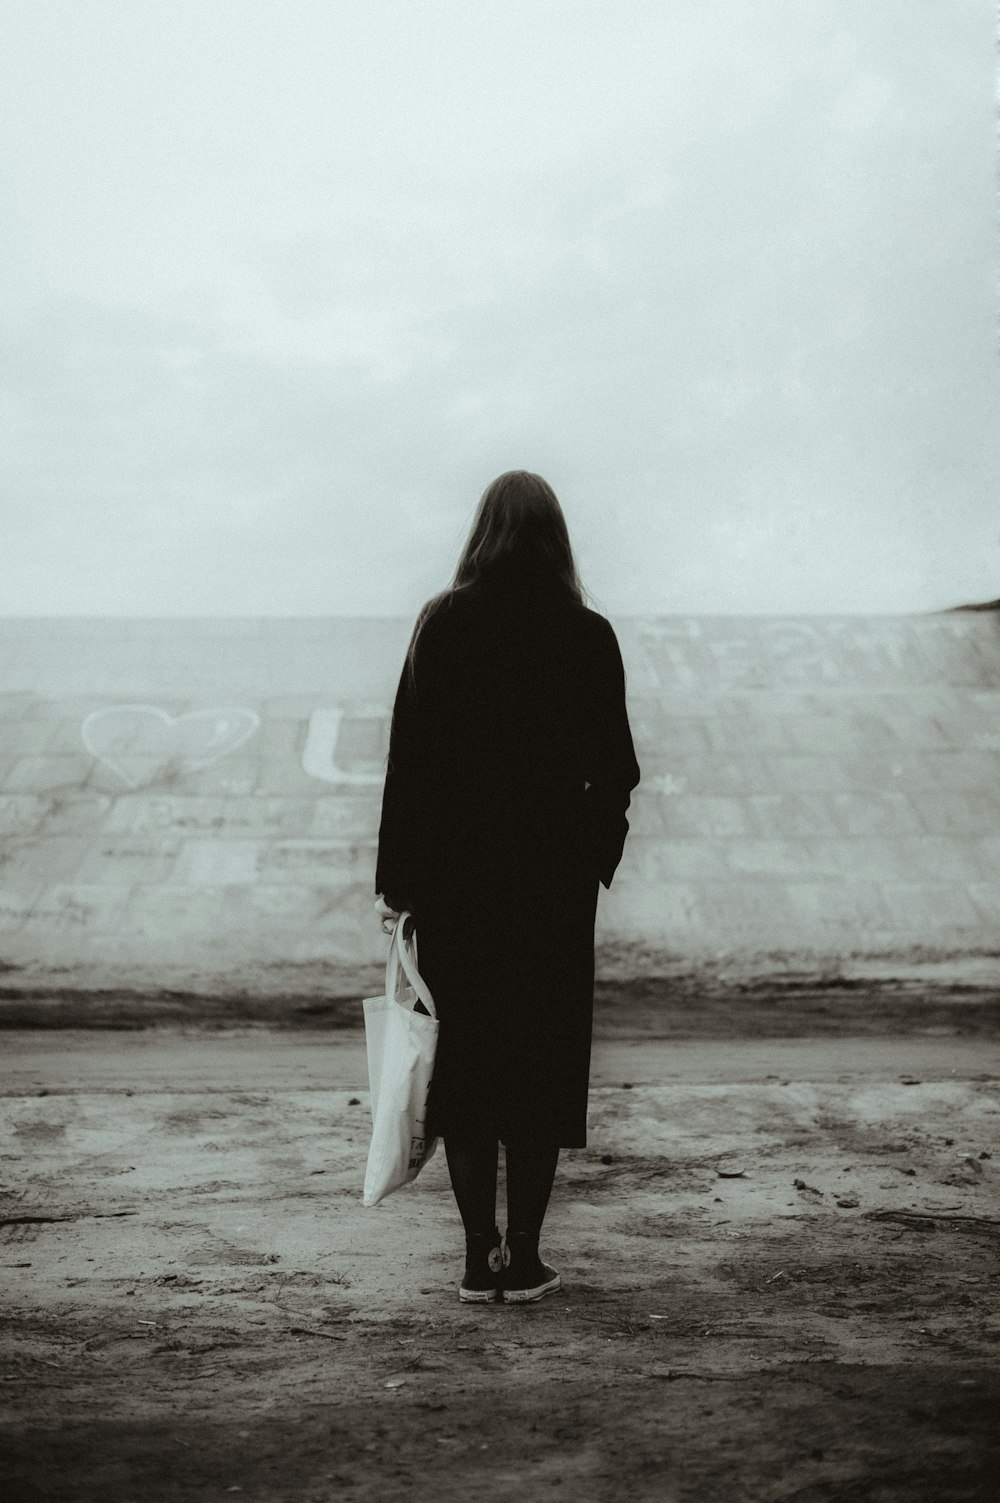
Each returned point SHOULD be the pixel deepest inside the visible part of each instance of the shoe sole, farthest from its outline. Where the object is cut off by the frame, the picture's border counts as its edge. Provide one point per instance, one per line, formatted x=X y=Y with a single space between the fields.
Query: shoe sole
x=477 y=1296
x=526 y=1296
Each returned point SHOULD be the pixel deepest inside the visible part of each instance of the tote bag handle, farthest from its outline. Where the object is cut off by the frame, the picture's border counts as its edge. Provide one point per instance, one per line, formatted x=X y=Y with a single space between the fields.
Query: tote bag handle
x=399 y=954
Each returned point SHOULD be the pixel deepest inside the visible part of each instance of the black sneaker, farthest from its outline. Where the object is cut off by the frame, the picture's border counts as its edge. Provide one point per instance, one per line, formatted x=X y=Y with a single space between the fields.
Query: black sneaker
x=484 y=1255
x=525 y=1277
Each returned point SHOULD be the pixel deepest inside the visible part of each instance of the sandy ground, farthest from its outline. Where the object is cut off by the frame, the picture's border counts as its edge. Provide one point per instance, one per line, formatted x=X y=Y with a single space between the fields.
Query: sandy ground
x=779 y=1259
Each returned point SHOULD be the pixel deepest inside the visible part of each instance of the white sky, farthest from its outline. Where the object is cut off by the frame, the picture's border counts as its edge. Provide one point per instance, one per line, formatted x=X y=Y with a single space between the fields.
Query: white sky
x=285 y=283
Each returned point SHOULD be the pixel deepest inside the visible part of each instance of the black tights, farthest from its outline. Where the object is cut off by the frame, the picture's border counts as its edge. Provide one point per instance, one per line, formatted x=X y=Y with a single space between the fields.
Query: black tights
x=531 y=1168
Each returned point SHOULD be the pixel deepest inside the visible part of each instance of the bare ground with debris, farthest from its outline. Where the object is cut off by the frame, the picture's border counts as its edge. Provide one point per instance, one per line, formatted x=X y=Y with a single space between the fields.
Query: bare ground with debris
x=779 y=1261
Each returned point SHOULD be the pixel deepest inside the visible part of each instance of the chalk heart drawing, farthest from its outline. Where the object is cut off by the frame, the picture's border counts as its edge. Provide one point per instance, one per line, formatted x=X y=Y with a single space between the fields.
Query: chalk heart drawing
x=139 y=742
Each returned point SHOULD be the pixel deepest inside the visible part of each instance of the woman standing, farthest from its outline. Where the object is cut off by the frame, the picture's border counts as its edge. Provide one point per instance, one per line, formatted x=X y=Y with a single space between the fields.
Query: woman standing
x=509 y=773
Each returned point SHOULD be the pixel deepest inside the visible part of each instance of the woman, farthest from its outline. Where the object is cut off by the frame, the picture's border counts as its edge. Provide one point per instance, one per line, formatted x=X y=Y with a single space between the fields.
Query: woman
x=508 y=777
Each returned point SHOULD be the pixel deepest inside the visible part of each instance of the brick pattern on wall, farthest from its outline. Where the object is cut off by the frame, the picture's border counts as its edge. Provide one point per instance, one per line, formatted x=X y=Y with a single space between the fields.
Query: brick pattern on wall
x=196 y=803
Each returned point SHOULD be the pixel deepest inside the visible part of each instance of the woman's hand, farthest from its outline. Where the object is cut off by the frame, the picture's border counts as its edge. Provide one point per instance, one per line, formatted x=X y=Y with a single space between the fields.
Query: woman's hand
x=387 y=915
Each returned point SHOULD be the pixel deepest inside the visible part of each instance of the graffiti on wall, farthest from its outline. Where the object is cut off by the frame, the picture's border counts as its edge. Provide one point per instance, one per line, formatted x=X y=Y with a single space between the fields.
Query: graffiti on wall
x=322 y=748
x=699 y=652
x=141 y=743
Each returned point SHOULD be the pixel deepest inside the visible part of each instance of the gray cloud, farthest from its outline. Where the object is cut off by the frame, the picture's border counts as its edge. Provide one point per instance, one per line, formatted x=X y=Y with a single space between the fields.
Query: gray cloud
x=725 y=276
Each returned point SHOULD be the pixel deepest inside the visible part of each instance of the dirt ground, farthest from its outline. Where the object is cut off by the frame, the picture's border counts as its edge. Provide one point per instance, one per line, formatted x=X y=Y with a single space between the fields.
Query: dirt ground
x=779 y=1261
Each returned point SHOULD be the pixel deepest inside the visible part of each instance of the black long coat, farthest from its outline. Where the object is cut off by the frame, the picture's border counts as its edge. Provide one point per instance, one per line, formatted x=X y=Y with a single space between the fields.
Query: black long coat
x=509 y=773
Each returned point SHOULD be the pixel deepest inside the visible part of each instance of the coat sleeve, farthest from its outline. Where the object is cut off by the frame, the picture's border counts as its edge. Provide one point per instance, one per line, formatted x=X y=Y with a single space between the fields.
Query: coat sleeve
x=398 y=859
x=610 y=766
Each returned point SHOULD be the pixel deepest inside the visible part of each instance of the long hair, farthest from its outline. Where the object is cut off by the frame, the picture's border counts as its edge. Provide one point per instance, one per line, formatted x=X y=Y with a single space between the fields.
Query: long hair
x=518 y=537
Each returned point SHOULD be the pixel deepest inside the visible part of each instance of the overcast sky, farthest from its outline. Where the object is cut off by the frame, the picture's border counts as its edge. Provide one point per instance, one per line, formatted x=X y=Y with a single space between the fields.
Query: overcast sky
x=285 y=283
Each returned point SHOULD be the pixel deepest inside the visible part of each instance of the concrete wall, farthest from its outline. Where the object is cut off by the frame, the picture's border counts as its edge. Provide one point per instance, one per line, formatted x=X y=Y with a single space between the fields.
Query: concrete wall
x=194 y=804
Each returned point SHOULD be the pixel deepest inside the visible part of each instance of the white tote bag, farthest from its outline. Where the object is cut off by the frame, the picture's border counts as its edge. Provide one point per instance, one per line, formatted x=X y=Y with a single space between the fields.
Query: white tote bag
x=401 y=1045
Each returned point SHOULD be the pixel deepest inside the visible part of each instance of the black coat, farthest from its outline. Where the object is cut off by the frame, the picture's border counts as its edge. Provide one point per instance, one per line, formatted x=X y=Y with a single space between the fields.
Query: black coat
x=509 y=773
